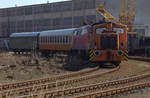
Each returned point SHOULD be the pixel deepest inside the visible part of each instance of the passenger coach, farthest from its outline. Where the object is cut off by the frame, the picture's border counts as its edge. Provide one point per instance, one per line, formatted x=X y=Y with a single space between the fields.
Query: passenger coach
x=22 y=42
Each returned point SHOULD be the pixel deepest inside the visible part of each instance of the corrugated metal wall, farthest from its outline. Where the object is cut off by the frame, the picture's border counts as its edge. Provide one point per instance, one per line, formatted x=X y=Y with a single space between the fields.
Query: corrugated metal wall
x=64 y=15
x=47 y=16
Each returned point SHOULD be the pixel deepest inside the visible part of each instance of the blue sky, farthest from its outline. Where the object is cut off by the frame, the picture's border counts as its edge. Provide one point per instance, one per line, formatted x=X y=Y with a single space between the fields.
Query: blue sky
x=12 y=3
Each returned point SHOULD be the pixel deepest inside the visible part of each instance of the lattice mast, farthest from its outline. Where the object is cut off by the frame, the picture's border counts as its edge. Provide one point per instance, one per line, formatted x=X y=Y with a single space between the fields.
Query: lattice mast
x=127 y=13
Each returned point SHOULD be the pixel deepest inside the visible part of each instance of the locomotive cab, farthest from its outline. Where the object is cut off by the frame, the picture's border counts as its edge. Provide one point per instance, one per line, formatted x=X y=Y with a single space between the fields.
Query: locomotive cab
x=109 y=43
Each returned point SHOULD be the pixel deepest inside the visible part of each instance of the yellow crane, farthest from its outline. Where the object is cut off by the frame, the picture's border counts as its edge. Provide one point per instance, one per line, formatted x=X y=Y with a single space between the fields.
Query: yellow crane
x=108 y=17
x=126 y=14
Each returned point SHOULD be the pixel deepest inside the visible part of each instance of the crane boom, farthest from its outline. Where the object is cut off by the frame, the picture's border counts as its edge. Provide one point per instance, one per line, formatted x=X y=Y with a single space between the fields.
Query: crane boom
x=108 y=17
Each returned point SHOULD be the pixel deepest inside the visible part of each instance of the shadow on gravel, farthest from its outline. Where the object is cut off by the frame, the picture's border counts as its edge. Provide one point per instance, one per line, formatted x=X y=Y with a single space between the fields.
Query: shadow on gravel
x=107 y=66
x=88 y=65
x=79 y=67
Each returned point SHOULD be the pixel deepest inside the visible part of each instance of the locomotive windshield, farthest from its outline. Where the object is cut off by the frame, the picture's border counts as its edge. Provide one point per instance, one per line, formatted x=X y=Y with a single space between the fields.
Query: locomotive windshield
x=100 y=30
x=118 y=30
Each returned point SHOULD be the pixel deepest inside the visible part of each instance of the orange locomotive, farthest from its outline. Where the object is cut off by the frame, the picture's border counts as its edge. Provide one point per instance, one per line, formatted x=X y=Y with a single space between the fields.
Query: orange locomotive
x=109 y=43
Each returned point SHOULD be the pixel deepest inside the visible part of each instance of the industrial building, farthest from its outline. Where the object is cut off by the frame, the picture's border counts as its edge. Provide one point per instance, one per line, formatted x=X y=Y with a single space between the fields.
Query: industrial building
x=66 y=14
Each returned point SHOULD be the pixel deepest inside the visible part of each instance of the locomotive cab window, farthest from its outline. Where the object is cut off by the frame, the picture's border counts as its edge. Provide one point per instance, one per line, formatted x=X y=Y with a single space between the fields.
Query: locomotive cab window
x=78 y=32
x=84 y=31
x=75 y=32
x=100 y=30
x=118 y=30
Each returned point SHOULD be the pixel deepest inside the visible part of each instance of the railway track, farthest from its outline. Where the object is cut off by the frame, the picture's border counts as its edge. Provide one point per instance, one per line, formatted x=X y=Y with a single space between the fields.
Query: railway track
x=115 y=91
x=45 y=80
x=35 y=88
x=139 y=58
x=97 y=86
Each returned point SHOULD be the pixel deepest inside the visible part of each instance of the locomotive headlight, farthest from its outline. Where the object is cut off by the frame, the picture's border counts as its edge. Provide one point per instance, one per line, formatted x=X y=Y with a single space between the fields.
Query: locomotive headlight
x=119 y=53
x=96 y=53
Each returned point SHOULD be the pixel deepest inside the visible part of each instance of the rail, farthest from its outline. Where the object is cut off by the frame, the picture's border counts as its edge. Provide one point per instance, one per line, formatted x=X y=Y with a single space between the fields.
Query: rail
x=45 y=80
x=50 y=85
x=89 y=87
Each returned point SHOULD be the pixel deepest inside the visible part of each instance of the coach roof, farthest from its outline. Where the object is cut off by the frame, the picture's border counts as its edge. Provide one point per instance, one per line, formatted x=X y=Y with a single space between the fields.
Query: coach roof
x=25 y=34
x=58 y=32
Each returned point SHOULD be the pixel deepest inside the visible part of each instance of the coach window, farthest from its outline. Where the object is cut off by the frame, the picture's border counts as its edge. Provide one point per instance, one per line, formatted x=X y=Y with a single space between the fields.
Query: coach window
x=42 y=40
x=57 y=39
x=51 y=39
x=68 y=39
x=54 y=39
x=60 y=39
x=71 y=39
x=48 y=40
x=100 y=30
x=45 y=39
x=65 y=39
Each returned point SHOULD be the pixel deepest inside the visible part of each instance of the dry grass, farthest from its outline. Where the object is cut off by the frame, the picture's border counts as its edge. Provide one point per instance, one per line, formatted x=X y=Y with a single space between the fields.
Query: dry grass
x=15 y=68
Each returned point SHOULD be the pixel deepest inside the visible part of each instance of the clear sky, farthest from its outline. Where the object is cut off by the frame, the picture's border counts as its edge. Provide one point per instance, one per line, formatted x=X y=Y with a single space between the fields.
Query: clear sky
x=12 y=3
